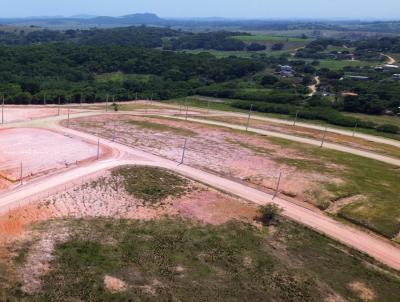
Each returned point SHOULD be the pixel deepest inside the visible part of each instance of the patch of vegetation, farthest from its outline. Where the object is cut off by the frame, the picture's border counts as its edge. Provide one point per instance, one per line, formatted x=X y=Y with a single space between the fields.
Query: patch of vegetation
x=180 y=261
x=269 y=214
x=161 y=128
x=377 y=181
x=152 y=185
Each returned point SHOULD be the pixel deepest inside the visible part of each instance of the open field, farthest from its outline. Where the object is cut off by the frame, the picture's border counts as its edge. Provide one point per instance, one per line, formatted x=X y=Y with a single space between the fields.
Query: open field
x=68 y=247
x=22 y=113
x=353 y=142
x=40 y=152
x=337 y=183
x=379 y=119
x=269 y=38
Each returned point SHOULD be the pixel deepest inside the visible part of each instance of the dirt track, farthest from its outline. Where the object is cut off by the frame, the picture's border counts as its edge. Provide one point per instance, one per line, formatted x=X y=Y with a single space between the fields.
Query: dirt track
x=378 y=248
x=314 y=86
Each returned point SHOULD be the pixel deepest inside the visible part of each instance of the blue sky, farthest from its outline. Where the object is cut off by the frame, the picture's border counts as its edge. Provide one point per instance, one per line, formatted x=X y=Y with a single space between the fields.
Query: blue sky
x=207 y=8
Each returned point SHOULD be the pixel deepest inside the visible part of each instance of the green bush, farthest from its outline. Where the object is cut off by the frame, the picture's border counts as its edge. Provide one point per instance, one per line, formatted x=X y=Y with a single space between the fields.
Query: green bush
x=388 y=128
x=269 y=213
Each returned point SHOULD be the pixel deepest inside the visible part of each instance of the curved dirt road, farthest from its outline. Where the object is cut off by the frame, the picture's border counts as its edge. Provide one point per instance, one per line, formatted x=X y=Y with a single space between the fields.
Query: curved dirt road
x=378 y=248
x=390 y=60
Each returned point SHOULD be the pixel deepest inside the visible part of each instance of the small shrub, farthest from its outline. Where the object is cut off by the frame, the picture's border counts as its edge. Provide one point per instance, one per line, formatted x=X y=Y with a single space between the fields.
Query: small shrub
x=269 y=213
x=388 y=128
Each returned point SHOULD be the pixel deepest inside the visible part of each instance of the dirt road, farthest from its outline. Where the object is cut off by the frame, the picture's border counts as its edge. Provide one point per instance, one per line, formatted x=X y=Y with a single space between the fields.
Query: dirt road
x=313 y=87
x=390 y=60
x=379 y=248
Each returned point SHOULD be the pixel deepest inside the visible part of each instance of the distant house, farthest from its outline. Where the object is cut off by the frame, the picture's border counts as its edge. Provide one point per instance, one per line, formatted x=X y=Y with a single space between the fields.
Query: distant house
x=286 y=71
x=390 y=66
x=396 y=76
x=358 y=78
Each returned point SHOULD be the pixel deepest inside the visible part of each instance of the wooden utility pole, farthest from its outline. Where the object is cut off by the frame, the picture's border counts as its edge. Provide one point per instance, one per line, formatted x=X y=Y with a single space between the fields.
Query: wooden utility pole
x=208 y=107
x=107 y=103
x=355 y=128
x=277 y=186
x=295 y=119
x=248 y=119
x=98 y=148
x=183 y=152
x=2 y=110
x=59 y=104
x=68 y=119
x=187 y=109
x=114 y=131
x=323 y=138
x=20 y=174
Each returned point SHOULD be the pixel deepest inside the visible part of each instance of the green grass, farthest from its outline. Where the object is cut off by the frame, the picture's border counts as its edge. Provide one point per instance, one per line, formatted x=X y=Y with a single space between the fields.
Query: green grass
x=340 y=64
x=233 y=262
x=377 y=181
x=269 y=38
x=120 y=76
x=152 y=185
x=161 y=128
x=378 y=119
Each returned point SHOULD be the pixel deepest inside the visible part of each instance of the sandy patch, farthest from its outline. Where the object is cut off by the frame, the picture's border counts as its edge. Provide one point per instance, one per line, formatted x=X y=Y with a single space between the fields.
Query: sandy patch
x=114 y=285
x=23 y=113
x=362 y=291
x=339 y=204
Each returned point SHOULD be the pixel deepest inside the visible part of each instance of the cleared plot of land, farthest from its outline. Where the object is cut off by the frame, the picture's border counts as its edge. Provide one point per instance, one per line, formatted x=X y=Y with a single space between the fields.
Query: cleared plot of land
x=16 y=114
x=316 y=176
x=40 y=152
x=220 y=254
x=353 y=142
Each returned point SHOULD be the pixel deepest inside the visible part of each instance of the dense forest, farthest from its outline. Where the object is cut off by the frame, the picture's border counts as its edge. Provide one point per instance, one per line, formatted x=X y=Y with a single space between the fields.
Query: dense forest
x=27 y=73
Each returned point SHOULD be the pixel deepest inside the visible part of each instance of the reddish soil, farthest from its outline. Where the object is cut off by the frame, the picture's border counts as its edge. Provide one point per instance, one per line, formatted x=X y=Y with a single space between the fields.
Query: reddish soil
x=311 y=133
x=252 y=159
x=15 y=114
x=107 y=198
x=40 y=151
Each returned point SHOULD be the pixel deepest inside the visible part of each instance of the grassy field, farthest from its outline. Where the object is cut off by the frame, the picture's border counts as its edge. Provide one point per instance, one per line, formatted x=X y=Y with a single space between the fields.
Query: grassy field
x=177 y=260
x=340 y=64
x=270 y=38
x=376 y=182
x=379 y=119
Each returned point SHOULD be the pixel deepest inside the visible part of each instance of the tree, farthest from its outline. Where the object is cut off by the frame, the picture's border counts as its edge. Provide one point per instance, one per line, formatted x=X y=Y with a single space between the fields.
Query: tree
x=277 y=46
x=269 y=213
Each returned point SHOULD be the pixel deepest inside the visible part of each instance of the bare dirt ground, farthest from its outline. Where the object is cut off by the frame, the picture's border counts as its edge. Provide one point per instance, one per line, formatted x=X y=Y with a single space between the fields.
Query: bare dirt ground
x=353 y=142
x=105 y=197
x=40 y=152
x=16 y=114
x=222 y=151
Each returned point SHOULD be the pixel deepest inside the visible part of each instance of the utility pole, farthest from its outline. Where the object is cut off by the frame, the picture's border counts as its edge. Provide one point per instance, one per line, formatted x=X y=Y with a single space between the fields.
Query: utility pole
x=44 y=99
x=295 y=119
x=248 y=119
x=2 y=110
x=98 y=148
x=323 y=138
x=59 y=104
x=187 y=109
x=208 y=107
x=114 y=130
x=355 y=128
x=20 y=174
x=183 y=152
x=68 y=119
x=277 y=186
x=107 y=103
x=136 y=96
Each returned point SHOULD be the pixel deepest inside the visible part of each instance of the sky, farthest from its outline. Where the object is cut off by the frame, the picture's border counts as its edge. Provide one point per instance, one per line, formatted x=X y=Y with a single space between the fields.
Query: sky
x=260 y=9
